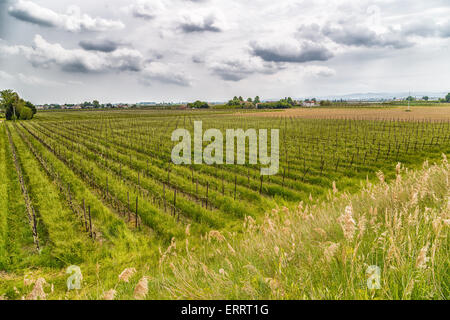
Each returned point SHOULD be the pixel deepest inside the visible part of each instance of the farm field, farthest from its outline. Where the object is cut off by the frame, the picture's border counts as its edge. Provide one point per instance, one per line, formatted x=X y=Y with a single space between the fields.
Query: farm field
x=98 y=190
x=439 y=112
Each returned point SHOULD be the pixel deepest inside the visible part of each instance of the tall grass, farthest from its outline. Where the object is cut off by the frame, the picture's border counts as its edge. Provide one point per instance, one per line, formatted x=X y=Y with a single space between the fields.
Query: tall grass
x=328 y=250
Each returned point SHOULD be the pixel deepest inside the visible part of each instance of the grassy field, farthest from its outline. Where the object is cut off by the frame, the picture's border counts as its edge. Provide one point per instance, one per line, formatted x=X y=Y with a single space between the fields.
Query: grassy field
x=98 y=190
x=438 y=112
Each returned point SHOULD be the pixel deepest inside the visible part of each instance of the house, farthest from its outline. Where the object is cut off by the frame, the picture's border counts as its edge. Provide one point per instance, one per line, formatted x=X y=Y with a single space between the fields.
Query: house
x=309 y=104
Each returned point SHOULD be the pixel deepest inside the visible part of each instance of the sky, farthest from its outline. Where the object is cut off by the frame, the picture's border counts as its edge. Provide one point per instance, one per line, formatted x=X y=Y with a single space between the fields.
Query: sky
x=59 y=51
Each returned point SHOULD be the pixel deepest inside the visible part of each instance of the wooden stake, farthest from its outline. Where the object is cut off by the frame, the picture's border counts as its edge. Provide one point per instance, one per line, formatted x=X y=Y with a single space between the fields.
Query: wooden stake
x=90 y=220
x=260 y=187
x=207 y=191
x=137 y=224
x=235 y=182
x=128 y=198
x=175 y=202
x=164 y=194
x=85 y=219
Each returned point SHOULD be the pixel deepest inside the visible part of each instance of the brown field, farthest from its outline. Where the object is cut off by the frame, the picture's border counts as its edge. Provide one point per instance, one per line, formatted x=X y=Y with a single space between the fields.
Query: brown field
x=398 y=113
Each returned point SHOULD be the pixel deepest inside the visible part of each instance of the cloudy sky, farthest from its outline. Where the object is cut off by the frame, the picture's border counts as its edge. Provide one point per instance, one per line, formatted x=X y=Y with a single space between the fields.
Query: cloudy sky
x=181 y=50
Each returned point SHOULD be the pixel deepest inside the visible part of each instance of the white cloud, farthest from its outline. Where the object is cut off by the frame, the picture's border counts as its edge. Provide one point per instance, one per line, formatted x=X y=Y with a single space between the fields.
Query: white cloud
x=145 y=9
x=73 y=20
x=28 y=80
x=318 y=71
x=5 y=76
x=236 y=68
x=165 y=73
x=37 y=81
x=44 y=54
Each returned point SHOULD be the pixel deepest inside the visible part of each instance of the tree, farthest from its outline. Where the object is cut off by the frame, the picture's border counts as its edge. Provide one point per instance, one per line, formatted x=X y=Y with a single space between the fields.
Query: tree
x=198 y=105
x=26 y=114
x=282 y=104
x=15 y=107
x=28 y=104
x=426 y=98
x=241 y=99
x=234 y=102
x=8 y=103
x=96 y=104
x=249 y=100
x=257 y=100
x=410 y=98
x=447 y=97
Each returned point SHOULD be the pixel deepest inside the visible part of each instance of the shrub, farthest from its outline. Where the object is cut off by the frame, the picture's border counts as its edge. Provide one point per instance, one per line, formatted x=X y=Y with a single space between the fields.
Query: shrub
x=275 y=105
x=26 y=114
x=198 y=105
x=324 y=103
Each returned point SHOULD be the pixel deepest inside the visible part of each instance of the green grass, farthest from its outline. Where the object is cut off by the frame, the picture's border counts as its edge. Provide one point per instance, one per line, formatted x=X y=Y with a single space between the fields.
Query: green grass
x=61 y=230
x=3 y=201
x=20 y=250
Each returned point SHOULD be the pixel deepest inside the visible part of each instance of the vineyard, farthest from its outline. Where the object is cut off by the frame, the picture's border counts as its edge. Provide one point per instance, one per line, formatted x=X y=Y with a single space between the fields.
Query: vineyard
x=99 y=190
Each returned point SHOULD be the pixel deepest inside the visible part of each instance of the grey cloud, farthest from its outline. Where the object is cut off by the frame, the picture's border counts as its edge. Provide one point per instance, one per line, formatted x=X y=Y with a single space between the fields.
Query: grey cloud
x=198 y=59
x=201 y=24
x=99 y=45
x=354 y=35
x=426 y=28
x=73 y=20
x=310 y=32
x=359 y=35
x=420 y=28
x=27 y=16
x=444 y=31
x=291 y=52
x=236 y=69
x=76 y=66
x=143 y=14
x=153 y=56
x=230 y=71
